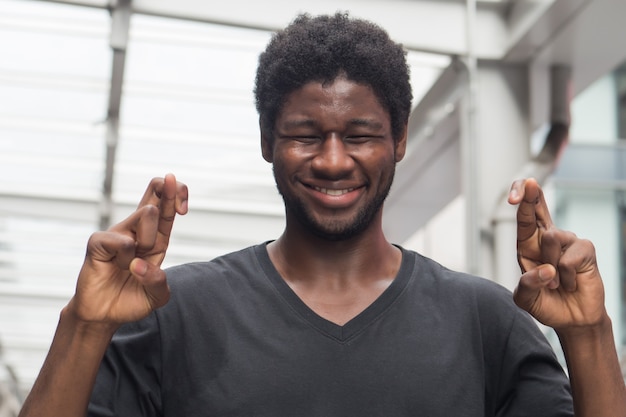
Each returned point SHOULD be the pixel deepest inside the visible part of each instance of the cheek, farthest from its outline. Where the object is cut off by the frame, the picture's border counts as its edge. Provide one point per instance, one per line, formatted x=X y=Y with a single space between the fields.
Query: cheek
x=282 y=170
x=376 y=159
x=291 y=159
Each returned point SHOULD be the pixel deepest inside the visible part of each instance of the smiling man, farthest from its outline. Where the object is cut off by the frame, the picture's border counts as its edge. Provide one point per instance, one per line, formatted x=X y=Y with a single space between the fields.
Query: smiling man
x=334 y=157
x=330 y=318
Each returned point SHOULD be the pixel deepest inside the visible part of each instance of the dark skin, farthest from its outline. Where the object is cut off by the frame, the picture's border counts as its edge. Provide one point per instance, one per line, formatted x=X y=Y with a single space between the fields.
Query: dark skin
x=561 y=287
x=561 y=282
x=334 y=137
x=120 y=281
x=335 y=164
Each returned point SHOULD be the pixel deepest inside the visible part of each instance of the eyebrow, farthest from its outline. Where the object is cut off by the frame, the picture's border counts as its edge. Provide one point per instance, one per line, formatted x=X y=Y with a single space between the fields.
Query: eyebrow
x=289 y=124
x=366 y=123
x=353 y=122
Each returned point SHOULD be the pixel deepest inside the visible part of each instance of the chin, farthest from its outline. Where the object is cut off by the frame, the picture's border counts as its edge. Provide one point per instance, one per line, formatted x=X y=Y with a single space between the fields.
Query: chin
x=331 y=228
x=335 y=236
x=337 y=232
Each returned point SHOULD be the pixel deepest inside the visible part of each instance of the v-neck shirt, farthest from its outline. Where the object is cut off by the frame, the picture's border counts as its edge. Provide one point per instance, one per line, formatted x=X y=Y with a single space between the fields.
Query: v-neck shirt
x=235 y=340
x=327 y=327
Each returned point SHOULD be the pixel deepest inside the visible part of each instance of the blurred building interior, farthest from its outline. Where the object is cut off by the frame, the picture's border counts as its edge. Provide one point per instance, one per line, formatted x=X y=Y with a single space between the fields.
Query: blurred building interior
x=99 y=96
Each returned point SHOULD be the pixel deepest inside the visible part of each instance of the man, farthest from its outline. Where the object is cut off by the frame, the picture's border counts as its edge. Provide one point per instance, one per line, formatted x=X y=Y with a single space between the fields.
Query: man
x=330 y=319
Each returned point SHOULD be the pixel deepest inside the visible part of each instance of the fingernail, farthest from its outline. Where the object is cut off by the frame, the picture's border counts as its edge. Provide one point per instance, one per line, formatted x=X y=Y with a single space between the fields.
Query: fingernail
x=141 y=267
x=553 y=285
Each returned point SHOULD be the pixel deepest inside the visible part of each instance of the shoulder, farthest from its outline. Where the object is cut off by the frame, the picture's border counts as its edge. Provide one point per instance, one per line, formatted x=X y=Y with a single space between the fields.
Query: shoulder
x=469 y=298
x=484 y=311
x=219 y=283
x=431 y=274
x=241 y=263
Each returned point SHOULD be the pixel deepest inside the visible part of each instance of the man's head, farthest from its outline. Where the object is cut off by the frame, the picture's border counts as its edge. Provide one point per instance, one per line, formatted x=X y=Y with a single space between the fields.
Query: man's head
x=320 y=49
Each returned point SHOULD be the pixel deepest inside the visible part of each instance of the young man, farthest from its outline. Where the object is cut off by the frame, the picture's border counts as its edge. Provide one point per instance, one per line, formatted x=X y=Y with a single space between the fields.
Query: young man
x=330 y=319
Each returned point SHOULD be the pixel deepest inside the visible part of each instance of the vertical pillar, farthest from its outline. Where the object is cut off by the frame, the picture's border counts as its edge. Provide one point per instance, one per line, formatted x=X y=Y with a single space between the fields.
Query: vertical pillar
x=120 y=24
x=502 y=148
x=469 y=151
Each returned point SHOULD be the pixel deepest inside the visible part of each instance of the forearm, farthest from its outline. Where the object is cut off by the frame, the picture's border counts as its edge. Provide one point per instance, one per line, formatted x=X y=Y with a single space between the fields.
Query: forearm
x=595 y=375
x=67 y=376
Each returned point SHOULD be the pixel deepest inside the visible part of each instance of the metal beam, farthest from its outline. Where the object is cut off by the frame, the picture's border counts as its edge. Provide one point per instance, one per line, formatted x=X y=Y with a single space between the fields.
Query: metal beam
x=120 y=25
x=533 y=25
x=412 y=23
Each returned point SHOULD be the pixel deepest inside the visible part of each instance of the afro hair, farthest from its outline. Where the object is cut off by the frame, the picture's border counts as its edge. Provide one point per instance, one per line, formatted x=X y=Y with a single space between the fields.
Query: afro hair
x=323 y=47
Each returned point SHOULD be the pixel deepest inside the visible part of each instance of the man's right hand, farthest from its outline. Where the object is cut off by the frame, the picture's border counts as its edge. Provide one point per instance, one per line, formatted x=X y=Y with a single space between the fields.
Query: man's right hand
x=121 y=279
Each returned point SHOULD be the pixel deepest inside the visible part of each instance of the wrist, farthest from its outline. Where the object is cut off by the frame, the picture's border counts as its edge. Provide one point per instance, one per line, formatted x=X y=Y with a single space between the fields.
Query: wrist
x=70 y=319
x=588 y=338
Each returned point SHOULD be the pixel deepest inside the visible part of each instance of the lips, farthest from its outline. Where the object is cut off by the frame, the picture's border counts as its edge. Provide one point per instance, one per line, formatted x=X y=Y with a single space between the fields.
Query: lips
x=336 y=197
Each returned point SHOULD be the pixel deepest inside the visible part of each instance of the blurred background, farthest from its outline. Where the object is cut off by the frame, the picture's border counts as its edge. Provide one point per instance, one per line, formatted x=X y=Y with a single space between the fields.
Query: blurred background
x=99 y=96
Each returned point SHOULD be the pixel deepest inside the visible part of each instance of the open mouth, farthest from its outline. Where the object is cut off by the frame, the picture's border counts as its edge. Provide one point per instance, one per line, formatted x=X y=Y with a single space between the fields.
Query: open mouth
x=332 y=192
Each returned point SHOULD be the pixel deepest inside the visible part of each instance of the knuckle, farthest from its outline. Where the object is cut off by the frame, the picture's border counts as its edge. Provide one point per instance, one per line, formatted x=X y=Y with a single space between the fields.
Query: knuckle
x=587 y=245
x=156 y=184
x=551 y=235
x=95 y=241
x=126 y=244
x=150 y=210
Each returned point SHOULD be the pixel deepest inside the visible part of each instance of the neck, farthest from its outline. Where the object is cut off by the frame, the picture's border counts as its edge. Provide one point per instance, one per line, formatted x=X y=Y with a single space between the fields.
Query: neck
x=302 y=257
x=336 y=279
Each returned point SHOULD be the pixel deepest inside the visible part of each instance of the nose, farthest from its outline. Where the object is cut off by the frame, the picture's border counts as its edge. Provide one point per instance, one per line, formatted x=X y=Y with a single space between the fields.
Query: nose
x=333 y=160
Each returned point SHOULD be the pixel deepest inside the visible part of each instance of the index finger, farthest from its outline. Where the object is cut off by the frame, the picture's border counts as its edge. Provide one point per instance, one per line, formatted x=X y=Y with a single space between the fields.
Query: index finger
x=532 y=212
x=170 y=196
x=155 y=191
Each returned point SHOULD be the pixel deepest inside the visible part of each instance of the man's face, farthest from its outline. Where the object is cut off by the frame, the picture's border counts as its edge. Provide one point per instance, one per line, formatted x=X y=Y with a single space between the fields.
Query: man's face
x=334 y=157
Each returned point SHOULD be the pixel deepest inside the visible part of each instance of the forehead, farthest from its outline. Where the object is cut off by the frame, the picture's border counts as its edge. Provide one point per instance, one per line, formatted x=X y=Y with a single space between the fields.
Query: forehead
x=335 y=99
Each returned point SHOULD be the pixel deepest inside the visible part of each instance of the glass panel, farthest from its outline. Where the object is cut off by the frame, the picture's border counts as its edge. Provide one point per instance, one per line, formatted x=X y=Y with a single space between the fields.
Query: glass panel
x=187 y=108
x=54 y=81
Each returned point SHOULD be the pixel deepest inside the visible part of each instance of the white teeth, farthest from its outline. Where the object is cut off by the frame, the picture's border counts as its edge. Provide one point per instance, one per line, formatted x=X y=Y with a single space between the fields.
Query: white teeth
x=333 y=192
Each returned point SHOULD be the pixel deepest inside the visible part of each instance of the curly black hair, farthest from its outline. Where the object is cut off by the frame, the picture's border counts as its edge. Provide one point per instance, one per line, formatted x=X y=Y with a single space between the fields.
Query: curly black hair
x=323 y=47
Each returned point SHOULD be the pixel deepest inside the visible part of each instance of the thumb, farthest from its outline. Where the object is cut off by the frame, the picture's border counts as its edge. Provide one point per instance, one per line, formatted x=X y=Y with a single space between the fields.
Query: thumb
x=153 y=280
x=531 y=285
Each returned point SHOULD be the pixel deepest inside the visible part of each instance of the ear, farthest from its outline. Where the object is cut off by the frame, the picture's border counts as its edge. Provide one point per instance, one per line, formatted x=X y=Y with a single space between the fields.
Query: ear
x=267 y=141
x=400 y=145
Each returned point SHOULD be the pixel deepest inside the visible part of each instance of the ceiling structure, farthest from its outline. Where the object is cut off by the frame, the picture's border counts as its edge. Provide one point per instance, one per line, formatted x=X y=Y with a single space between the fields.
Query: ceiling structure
x=98 y=96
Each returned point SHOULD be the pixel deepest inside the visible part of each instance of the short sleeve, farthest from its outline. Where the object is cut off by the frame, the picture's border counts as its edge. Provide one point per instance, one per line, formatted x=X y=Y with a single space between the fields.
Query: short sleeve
x=532 y=381
x=128 y=381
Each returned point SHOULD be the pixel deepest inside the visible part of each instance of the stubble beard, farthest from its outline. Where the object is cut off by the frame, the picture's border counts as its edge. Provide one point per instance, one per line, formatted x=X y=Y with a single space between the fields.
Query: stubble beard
x=333 y=229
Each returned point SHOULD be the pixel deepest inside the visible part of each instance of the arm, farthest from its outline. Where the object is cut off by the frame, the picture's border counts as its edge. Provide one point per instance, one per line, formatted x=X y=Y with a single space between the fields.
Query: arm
x=120 y=281
x=562 y=288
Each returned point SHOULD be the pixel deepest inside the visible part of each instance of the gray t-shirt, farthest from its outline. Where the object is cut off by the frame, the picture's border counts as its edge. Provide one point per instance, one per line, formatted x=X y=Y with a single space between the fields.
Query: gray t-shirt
x=235 y=340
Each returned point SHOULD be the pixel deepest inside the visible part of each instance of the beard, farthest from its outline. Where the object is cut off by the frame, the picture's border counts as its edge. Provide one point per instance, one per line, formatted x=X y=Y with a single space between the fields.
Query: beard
x=334 y=229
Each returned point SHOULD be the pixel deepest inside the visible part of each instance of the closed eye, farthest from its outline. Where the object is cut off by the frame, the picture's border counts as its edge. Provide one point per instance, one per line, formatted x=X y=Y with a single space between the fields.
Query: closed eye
x=356 y=139
x=304 y=139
